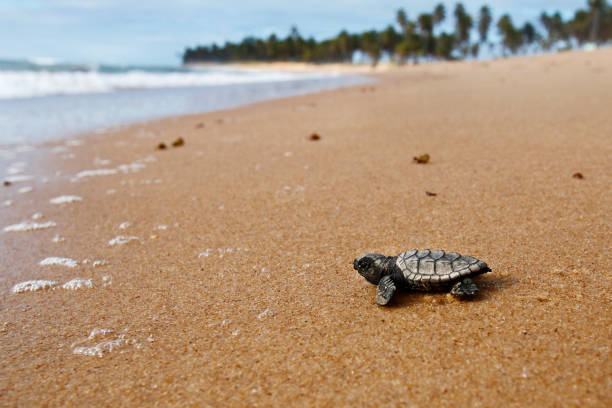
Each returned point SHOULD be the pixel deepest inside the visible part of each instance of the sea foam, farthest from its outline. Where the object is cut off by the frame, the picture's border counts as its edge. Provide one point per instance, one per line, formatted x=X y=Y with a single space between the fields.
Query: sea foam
x=98 y=333
x=29 y=226
x=65 y=199
x=97 y=172
x=33 y=286
x=121 y=240
x=25 y=84
x=18 y=178
x=101 y=348
x=16 y=168
x=78 y=283
x=70 y=263
x=131 y=167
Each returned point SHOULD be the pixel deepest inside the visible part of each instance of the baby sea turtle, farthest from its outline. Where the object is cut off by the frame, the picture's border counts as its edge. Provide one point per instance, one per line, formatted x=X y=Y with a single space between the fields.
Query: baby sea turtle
x=420 y=270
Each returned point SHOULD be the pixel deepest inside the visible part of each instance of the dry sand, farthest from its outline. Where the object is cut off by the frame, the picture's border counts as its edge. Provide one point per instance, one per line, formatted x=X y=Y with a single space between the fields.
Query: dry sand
x=249 y=298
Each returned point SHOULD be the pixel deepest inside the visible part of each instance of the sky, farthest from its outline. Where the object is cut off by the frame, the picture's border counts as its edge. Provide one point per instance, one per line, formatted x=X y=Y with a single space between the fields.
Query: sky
x=155 y=32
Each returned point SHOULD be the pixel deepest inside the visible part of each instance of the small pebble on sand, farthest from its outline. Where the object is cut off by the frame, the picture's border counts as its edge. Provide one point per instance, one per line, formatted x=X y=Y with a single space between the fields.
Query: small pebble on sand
x=422 y=159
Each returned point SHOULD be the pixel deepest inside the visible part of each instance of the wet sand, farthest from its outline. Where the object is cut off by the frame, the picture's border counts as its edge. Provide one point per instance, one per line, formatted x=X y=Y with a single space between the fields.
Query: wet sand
x=235 y=285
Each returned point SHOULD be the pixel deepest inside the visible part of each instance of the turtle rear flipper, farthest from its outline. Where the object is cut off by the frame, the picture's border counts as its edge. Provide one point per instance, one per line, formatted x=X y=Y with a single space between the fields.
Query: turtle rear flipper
x=465 y=287
x=386 y=289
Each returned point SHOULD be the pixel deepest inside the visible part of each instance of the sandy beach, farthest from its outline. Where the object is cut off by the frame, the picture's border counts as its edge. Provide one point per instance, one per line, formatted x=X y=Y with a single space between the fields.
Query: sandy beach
x=281 y=66
x=219 y=272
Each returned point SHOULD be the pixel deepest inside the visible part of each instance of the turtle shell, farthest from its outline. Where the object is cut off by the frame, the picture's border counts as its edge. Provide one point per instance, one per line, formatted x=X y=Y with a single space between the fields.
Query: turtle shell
x=425 y=267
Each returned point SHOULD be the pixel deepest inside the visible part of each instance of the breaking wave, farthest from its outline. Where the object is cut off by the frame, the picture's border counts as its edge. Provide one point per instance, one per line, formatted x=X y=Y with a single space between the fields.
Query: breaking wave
x=33 y=78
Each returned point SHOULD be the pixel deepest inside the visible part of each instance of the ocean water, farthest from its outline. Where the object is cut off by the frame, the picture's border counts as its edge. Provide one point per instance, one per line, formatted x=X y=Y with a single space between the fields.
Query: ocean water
x=43 y=100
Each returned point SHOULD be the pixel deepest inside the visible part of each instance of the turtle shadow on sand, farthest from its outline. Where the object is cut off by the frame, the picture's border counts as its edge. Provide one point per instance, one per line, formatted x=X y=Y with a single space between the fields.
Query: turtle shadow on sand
x=488 y=285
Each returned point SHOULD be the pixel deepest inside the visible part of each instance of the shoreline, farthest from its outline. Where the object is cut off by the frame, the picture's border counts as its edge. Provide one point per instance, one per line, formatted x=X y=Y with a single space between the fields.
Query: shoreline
x=382 y=69
x=221 y=269
x=60 y=116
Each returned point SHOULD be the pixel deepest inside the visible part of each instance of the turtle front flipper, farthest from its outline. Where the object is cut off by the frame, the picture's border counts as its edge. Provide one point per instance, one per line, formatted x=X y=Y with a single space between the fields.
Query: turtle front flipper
x=465 y=287
x=386 y=289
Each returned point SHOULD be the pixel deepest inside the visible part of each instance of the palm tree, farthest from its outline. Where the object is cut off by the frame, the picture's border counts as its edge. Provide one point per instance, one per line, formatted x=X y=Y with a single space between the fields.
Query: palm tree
x=344 y=47
x=555 y=27
x=295 y=43
x=529 y=34
x=445 y=45
x=438 y=15
x=606 y=25
x=597 y=9
x=418 y=37
x=463 y=25
x=426 y=24
x=512 y=38
x=410 y=28
x=370 y=44
x=474 y=50
x=580 y=26
x=410 y=47
x=402 y=20
x=272 y=47
x=546 y=22
x=308 y=50
x=389 y=39
x=484 y=23
x=402 y=50
x=426 y=28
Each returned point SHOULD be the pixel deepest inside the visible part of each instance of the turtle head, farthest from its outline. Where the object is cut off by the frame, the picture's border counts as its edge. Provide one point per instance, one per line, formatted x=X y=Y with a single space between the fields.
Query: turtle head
x=371 y=266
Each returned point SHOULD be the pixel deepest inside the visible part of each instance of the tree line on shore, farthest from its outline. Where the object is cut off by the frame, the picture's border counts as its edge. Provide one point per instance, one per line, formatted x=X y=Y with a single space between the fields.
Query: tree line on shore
x=422 y=38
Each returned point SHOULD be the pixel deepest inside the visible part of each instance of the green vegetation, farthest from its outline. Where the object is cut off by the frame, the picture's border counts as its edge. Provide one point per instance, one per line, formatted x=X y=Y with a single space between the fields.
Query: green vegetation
x=421 y=38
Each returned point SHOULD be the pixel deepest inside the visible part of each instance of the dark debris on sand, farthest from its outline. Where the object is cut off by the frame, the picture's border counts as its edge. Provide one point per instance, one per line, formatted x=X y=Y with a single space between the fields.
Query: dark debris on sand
x=578 y=176
x=314 y=137
x=422 y=159
x=177 y=143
